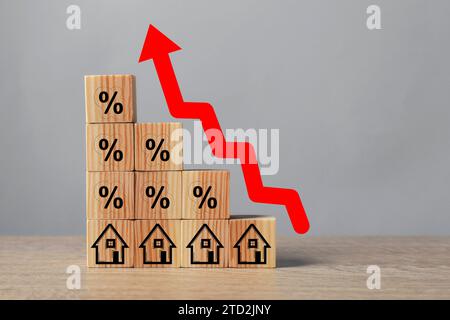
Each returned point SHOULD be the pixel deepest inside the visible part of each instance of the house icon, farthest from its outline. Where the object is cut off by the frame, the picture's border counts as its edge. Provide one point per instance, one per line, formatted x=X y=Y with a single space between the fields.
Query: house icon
x=252 y=247
x=205 y=247
x=157 y=247
x=109 y=247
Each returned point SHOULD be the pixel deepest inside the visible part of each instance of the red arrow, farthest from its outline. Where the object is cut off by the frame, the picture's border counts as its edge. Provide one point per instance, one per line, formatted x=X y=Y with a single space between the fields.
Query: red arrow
x=157 y=47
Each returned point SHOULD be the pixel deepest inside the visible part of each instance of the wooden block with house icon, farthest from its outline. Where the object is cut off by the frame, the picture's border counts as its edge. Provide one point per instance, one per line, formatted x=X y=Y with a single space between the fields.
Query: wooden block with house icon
x=110 y=147
x=158 y=195
x=252 y=242
x=110 y=195
x=204 y=243
x=159 y=146
x=158 y=243
x=206 y=194
x=110 y=243
x=110 y=98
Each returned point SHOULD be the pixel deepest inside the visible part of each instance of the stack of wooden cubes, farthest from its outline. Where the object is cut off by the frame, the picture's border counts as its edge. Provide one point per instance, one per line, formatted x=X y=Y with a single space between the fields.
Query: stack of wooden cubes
x=143 y=209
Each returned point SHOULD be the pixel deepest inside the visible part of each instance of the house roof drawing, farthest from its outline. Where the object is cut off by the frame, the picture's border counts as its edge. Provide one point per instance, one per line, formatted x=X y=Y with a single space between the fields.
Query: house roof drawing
x=252 y=227
x=204 y=226
x=157 y=227
x=109 y=226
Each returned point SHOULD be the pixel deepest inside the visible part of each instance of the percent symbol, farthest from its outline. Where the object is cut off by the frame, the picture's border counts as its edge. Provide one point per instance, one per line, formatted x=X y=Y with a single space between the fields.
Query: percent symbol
x=150 y=144
x=117 y=106
x=150 y=192
x=117 y=201
x=103 y=144
x=210 y=200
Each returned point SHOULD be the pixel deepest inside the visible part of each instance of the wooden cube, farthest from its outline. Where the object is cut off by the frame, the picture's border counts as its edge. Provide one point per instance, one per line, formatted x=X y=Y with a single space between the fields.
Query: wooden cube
x=252 y=242
x=159 y=146
x=206 y=194
x=110 y=195
x=158 y=195
x=110 y=243
x=158 y=243
x=110 y=98
x=204 y=243
x=110 y=147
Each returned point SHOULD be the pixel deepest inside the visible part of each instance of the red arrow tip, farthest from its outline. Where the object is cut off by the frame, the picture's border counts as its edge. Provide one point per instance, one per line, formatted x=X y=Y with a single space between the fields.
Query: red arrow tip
x=156 y=44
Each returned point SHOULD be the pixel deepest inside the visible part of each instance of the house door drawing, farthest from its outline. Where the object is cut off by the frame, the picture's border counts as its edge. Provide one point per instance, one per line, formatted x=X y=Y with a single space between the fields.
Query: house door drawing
x=210 y=256
x=257 y=256
x=116 y=257
x=163 y=256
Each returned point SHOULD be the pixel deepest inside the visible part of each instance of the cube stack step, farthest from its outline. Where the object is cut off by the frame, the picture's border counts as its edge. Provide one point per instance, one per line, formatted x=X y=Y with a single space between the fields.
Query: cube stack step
x=143 y=210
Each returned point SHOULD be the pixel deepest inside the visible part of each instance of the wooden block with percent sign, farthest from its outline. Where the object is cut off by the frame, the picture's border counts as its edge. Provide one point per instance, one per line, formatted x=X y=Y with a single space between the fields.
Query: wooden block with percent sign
x=204 y=243
x=159 y=146
x=206 y=194
x=158 y=195
x=110 y=147
x=110 y=98
x=252 y=242
x=158 y=243
x=110 y=243
x=110 y=195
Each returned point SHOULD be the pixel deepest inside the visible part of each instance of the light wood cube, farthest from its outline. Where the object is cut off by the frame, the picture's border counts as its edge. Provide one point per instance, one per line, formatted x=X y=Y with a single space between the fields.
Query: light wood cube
x=110 y=243
x=206 y=194
x=110 y=147
x=204 y=243
x=252 y=242
x=159 y=146
x=158 y=243
x=158 y=195
x=110 y=195
x=110 y=98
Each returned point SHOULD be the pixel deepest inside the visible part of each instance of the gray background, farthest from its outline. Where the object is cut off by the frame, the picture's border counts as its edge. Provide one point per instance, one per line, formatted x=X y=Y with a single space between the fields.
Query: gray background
x=363 y=115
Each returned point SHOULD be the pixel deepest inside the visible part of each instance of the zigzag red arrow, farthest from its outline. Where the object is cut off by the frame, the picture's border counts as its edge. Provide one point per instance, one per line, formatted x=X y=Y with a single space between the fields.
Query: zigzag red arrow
x=157 y=47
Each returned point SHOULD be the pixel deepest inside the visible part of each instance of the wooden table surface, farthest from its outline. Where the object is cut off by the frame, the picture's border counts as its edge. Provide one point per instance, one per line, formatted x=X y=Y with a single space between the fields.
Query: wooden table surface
x=308 y=268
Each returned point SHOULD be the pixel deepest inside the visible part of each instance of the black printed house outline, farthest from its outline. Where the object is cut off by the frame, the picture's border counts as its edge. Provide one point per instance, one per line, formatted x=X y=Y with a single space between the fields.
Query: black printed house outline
x=123 y=246
x=238 y=246
x=143 y=245
x=218 y=246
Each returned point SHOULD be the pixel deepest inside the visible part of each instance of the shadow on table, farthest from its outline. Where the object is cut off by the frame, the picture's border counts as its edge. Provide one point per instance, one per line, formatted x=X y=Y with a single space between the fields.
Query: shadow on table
x=291 y=262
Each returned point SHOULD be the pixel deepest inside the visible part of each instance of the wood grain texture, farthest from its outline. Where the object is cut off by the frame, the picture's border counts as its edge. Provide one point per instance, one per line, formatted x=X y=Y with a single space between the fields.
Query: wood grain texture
x=100 y=254
x=124 y=85
x=171 y=182
x=204 y=243
x=120 y=185
x=95 y=157
x=252 y=242
x=219 y=181
x=171 y=132
x=307 y=268
x=166 y=252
